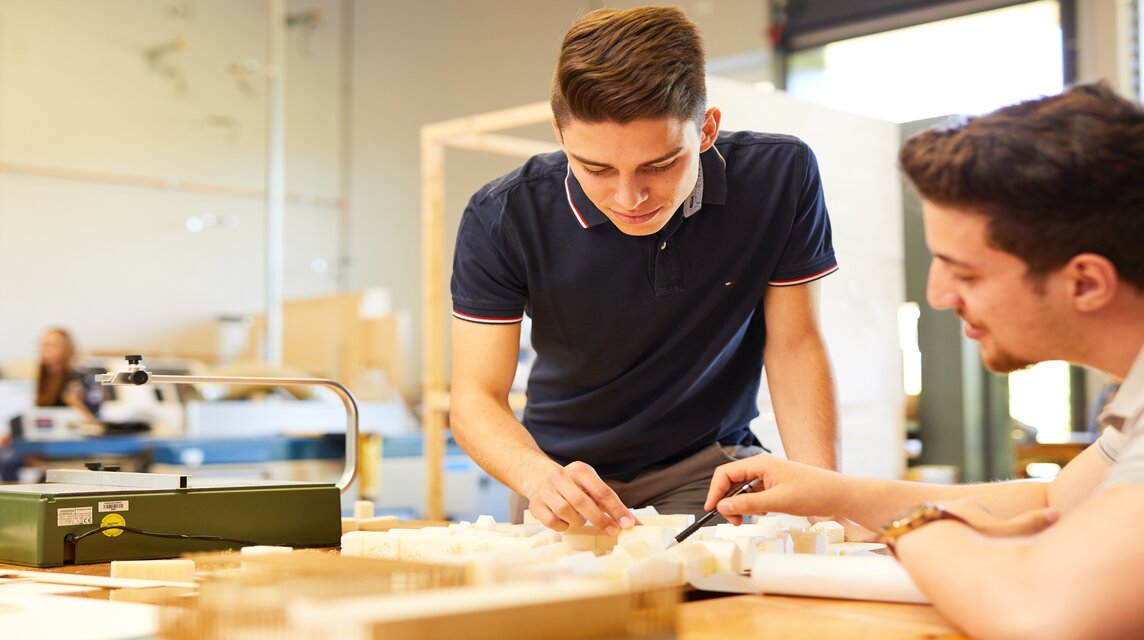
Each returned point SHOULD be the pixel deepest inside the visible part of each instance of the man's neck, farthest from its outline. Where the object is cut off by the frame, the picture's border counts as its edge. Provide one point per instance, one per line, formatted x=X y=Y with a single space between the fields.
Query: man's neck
x=1115 y=339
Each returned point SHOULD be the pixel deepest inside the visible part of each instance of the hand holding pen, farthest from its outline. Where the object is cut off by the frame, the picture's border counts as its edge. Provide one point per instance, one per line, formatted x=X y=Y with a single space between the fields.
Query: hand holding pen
x=705 y=518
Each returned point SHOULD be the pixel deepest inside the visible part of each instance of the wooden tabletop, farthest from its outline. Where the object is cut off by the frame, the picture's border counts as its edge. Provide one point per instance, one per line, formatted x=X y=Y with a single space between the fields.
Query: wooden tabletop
x=758 y=616
x=752 y=616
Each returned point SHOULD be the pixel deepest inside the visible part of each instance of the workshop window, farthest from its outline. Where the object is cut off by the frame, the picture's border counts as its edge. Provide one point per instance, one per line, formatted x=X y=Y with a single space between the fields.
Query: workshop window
x=964 y=65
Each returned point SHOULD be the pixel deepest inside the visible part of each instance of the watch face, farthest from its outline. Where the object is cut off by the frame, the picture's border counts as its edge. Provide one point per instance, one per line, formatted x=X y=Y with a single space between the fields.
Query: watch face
x=923 y=514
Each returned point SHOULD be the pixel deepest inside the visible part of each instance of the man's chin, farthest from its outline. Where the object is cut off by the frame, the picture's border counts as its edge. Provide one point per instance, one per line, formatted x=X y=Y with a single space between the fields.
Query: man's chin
x=1004 y=362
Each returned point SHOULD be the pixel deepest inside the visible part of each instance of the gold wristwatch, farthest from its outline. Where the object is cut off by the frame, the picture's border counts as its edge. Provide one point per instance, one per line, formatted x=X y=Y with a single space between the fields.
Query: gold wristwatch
x=926 y=513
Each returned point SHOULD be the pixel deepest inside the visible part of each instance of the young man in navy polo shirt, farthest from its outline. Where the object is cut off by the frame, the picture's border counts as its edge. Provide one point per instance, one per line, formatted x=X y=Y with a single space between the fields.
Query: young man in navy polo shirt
x=662 y=266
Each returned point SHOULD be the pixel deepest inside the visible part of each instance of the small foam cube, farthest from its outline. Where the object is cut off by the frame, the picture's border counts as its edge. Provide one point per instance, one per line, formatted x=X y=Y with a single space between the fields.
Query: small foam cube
x=833 y=531
x=657 y=536
x=363 y=509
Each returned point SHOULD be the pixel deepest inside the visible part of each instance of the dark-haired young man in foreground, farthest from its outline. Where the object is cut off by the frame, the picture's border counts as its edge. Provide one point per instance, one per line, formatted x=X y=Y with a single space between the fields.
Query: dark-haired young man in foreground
x=1035 y=217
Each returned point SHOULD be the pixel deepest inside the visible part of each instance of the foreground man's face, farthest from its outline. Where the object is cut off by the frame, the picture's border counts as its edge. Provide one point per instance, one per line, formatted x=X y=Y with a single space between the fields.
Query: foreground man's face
x=1007 y=312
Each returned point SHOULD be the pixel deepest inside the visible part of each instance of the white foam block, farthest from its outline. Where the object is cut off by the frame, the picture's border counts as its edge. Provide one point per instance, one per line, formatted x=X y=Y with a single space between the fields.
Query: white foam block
x=660 y=570
x=769 y=528
x=372 y=544
x=807 y=541
x=678 y=520
x=363 y=509
x=728 y=555
x=486 y=522
x=349 y=524
x=174 y=570
x=658 y=537
x=265 y=550
x=833 y=531
x=778 y=544
x=377 y=523
x=698 y=561
x=636 y=549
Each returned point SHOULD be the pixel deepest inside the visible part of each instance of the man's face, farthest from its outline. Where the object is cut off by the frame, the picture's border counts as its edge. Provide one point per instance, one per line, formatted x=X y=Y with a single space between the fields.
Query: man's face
x=637 y=173
x=1016 y=320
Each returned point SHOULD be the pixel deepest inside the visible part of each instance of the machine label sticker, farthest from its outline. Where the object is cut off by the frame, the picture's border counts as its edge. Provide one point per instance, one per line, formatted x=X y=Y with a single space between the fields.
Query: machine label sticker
x=71 y=516
x=112 y=520
x=116 y=505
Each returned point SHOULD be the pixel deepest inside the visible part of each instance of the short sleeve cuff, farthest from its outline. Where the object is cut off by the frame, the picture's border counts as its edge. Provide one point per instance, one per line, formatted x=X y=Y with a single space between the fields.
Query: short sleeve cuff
x=820 y=269
x=488 y=316
x=1110 y=444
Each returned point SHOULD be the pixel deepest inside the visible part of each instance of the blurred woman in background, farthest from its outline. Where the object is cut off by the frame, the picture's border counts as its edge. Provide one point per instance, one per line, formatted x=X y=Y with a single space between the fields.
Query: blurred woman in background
x=59 y=383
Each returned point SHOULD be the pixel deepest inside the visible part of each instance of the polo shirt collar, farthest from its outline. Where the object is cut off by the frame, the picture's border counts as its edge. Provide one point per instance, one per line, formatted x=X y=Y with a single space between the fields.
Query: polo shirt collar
x=1129 y=400
x=710 y=188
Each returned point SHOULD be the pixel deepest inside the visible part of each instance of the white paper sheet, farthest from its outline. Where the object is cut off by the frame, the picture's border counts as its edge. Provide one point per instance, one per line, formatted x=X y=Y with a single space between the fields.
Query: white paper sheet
x=857 y=577
x=851 y=577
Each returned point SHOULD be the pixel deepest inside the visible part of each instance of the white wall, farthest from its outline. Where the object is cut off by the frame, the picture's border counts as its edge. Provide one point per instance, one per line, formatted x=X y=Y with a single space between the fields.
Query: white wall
x=859 y=302
x=115 y=262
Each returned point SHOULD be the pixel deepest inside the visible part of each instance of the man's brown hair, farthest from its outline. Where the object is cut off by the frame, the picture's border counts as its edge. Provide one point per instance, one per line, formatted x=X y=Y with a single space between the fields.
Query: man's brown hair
x=1055 y=177
x=634 y=64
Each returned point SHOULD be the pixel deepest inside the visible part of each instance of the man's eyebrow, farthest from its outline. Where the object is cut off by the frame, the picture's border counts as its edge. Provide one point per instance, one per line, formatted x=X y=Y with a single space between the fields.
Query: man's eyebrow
x=666 y=156
x=953 y=261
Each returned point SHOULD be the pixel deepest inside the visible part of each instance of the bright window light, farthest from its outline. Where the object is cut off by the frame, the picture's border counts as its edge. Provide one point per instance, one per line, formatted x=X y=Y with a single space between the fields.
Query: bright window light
x=1039 y=397
x=966 y=65
x=908 y=315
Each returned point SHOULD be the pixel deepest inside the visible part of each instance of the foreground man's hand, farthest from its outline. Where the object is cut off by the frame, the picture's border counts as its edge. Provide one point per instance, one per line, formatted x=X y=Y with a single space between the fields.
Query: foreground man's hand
x=982 y=520
x=571 y=495
x=785 y=488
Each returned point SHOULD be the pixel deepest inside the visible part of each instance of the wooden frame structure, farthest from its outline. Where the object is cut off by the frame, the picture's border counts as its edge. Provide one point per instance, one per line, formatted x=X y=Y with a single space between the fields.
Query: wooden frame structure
x=478 y=133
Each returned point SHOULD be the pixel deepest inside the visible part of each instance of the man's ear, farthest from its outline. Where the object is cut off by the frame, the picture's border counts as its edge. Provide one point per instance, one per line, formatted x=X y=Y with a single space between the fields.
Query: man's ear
x=1094 y=280
x=710 y=129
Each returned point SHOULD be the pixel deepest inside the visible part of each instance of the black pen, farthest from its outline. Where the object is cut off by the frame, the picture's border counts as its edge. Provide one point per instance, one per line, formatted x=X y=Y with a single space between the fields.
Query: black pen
x=703 y=519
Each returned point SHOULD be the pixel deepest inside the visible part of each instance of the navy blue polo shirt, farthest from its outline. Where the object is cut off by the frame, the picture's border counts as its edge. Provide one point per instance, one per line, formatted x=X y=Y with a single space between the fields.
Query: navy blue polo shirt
x=649 y=348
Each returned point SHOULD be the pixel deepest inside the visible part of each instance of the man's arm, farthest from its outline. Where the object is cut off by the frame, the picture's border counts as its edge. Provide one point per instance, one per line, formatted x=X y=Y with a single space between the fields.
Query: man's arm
x=484 y=363
x=800 y=489
x=1081 y=578
x=799 y=377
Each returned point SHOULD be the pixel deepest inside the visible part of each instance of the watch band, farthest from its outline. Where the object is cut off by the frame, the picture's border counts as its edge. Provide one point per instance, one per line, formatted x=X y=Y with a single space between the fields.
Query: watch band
x=922 y=515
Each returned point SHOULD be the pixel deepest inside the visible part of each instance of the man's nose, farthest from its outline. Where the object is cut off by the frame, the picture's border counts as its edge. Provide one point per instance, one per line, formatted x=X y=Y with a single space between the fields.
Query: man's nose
x=630 y=194
x=939 y=293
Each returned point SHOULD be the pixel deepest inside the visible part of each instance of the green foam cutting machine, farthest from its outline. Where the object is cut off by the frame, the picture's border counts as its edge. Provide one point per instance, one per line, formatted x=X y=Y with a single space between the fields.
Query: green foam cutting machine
x=88 y=516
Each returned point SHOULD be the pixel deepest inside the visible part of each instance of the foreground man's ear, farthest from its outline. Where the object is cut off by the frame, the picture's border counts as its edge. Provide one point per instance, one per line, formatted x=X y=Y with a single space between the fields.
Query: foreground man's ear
x=1093 y=279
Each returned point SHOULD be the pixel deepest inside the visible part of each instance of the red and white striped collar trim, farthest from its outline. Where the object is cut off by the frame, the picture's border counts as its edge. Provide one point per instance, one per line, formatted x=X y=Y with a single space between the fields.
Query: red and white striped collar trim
x=571 y=203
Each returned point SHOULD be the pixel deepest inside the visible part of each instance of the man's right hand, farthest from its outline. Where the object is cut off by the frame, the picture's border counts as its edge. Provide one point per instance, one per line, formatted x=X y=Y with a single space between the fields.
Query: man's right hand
x=571 y=495
x=785 y=486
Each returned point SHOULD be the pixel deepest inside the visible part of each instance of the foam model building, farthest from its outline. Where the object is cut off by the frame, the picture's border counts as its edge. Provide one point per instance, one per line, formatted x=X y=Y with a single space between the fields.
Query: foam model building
x=635 y=559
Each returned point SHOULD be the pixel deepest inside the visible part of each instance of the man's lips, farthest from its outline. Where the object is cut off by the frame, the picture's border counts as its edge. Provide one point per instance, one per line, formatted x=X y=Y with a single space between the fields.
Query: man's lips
x=972 y=331
x=635 y=217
